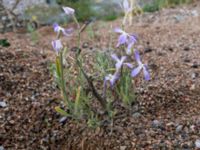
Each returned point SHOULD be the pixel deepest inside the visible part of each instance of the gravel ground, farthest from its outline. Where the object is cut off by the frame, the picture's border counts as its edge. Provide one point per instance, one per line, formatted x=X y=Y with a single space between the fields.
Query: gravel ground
x=166 y=115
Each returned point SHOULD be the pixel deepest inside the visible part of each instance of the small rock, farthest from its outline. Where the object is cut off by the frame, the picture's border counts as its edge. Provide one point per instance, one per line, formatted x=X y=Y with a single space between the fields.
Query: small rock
x=136 y=115
x=85 y=45
x=179 y=128
x=2 y=148
x=75 y=49
x=197 y=143
x=3 y=104
x=170 y=49
x=195 y=75
x=186 y=48
x=148 y=49
x=185 y=146
x=195 y=65
x=187 y=60
x=192 y=87
x=192 y=128
x=123 y=147
x=195 y=13
x=63 y=120
x=156 y=124
x=170 y=124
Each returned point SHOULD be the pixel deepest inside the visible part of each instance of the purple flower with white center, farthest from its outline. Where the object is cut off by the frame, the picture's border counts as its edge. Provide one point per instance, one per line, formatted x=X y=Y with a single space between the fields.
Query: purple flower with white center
x=141 y=66
x=69 y=11
x=119 y=62
x=112 y=79
x=58 y=29
x=126 y=38
x=57 y=45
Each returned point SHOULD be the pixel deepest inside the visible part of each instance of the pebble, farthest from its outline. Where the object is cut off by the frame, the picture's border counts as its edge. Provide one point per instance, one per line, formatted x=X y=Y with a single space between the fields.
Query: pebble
x=197 y=143
x=195 y=75
x=195 y=65
x=63 y=120
x=3 y=104
x=85 y=45
x=75 y=49
x=123 y=147
x=2 y=148
x=194 y=13
x=186 y=48
x=179 y=128
x=187 y=60
x=148 y=50
x=156 y=124
x=136 y=115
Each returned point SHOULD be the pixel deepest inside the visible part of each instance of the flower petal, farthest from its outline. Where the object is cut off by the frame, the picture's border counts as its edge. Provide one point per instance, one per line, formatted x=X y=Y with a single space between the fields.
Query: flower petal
x=122 y=39
x=55 y=27
x=137 y=57
x=68 y=32
x=128 y=50
x=118 y=30
x=118 y=65
x=57 y=45
x=126 y=5
x=129 y=65
x=123 y=59
x=146 y=73
x=115 y=57
x=135 y=71
x=68 y=10
x=114 y=78
x=132 y=39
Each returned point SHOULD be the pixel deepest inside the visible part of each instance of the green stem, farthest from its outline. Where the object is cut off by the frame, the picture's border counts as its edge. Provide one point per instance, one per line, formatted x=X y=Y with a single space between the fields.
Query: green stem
x=63 y=83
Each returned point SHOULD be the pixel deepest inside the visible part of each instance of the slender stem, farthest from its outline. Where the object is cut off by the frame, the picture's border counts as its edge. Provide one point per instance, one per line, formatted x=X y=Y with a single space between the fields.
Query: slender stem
x=63 y=86
x=101 y=100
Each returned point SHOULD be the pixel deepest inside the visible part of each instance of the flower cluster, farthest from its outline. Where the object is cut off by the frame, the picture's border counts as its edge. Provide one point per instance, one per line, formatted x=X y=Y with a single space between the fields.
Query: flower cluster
x=57 y=44
x=127 y=39
x=130 y=40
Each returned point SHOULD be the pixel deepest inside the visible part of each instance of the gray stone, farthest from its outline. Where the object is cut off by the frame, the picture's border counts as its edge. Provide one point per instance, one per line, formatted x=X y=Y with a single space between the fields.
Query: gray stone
x=63 y=120
x=3 y=104
x=2 y=148
x=197 y=143
x=194 y=75
x=136 y=115
x=123 y=147
x=179 y=128
x=156 y=124
x=195 y=13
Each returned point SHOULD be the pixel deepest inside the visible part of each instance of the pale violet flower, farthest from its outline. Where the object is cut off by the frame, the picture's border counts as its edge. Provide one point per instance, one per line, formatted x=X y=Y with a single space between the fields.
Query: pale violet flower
x=58 y=29
x=119 y=62
x=69 y=11
x=126 y=6
x=57 y=45
x=111 y=78
x=126 y=38
x=140 y=67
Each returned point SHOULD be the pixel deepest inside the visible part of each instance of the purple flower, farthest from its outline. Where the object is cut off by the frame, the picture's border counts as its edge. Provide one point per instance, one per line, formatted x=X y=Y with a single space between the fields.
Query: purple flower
x=126 y=38
x=126 y=6
x=57 y=45
x=119 y=62
x=111 y=78
x=141 y=66
x=58 y=29
x=69 y=11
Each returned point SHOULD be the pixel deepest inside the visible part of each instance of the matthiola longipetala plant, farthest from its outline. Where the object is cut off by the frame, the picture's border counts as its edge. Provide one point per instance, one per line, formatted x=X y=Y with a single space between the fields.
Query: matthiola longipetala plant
x=117 y=82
